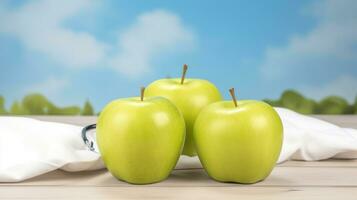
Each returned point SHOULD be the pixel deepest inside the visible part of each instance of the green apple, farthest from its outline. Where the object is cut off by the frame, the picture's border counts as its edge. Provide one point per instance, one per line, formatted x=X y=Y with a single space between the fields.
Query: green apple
x=238 y=142
x=190 y=96
x=140 y=140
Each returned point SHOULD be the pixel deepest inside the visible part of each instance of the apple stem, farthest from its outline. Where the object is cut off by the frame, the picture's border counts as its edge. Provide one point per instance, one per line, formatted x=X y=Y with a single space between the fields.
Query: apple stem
x=233 y=96
x=142 y=90
x=184 y=73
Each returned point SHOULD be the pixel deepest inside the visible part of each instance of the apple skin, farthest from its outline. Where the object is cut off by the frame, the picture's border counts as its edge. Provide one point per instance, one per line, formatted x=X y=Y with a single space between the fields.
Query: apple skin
x=189 y=97
x=238 y=144
x=140 y=141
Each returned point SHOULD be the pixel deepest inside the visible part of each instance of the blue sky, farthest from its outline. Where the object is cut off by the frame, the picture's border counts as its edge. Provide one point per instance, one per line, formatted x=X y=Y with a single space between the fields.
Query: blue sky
x=102 y=50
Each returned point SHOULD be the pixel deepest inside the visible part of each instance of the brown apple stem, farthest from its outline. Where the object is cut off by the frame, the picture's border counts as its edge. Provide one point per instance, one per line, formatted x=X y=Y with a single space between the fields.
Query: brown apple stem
x=233 y=96
x=142 y=90
x=184 y=73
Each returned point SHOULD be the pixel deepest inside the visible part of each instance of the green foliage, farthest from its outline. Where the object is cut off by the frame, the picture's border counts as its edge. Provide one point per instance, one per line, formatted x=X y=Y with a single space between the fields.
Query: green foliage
x=294 y=101
x=36 y=104
x=70 y=110
x=87 y=109
x=329 y=105
x=297 y=102
x=350 y=110
x=2 y=106
x=275 y=103
x=17 y=109
x=333 y=105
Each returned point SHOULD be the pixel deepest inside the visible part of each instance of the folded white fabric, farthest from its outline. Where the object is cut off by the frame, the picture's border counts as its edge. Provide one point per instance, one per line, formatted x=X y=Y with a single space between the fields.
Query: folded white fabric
x=30 y=147
x=308 y=138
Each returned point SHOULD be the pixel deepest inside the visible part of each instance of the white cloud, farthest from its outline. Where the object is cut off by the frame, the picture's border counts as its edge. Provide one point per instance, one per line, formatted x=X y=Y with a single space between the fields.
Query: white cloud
x=345 y=86
x=152 y=34
x=331 y=45
x=39 y=25
x=50 y=87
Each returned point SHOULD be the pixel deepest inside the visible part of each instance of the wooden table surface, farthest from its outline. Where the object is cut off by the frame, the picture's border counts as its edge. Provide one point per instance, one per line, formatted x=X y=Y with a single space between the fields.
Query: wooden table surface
x=330 y=179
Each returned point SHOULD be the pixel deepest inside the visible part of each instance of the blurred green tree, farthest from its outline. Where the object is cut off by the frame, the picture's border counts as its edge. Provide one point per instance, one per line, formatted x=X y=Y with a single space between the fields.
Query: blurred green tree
x=53 y=110
x=17 y=109
x=355 y=106
x=36 y=104
x=275 y=103
x=70 y=110
x=333 y=105
x=87 y=109
x=2 y=106
x=295 y=101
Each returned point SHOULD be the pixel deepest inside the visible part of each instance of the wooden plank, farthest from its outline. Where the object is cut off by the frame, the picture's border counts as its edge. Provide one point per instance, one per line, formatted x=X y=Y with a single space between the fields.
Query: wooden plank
x=281 y=176
x=341 y=120
x=207 y=193
x=335 y=163
x=63 y=178
x=75 y=120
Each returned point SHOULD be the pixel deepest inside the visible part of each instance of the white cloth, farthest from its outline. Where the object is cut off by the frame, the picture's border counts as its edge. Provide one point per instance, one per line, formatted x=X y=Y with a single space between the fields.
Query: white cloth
x=30 y=147
x=308 y=138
